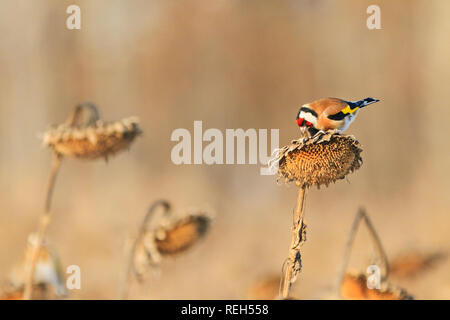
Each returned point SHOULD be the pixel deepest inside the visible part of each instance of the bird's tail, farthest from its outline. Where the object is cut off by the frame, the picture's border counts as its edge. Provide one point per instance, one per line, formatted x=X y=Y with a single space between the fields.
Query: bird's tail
x=365 y=102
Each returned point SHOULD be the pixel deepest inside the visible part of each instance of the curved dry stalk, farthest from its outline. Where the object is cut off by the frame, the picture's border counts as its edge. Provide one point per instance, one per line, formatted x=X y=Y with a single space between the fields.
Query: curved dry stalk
x=42 y=228
x=75 y=117
x=362 y=215
x=293 y=265
x=131 y=249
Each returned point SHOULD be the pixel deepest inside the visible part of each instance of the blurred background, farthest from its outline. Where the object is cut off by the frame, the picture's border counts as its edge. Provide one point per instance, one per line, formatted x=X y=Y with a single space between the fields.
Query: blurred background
x=231 y=64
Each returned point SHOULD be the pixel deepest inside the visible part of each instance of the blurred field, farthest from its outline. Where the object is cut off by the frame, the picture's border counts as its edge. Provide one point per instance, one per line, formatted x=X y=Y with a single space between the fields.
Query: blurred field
x=232 y=64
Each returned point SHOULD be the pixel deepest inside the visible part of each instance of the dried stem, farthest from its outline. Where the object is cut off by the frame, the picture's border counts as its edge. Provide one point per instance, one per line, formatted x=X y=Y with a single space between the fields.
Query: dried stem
x=362 y=215
x=43 y=224
x=293 y=264
x=131 y=249
x=74 y=118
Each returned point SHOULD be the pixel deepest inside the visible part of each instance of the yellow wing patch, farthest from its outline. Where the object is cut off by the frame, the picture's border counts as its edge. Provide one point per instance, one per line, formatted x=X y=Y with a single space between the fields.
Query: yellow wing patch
x=347 y=110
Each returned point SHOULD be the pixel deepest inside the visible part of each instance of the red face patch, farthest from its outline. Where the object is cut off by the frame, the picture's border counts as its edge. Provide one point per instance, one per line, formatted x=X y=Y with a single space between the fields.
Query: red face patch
x=309 y=124
x=300 y=121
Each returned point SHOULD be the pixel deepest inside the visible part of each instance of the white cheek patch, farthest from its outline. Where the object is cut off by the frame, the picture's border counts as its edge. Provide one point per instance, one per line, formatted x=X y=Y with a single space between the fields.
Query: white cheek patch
x=308 y=117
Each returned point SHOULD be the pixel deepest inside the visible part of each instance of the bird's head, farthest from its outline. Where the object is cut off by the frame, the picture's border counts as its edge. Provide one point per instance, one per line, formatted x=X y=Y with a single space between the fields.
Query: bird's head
x=306 y=117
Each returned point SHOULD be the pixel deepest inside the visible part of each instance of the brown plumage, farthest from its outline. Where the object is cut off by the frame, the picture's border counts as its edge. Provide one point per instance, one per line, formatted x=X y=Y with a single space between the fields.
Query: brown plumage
x=324 y=108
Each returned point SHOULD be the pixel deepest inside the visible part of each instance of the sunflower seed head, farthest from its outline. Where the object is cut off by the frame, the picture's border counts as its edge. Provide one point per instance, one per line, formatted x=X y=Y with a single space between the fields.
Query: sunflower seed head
x=354 y=286
x=318 y=160
x=93 y=139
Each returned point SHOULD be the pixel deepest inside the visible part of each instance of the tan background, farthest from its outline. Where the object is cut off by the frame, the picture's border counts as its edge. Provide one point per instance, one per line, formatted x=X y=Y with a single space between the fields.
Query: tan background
x=232 y=64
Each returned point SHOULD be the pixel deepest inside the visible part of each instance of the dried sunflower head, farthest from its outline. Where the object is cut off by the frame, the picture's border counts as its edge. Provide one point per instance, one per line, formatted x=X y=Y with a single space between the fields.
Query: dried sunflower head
x=168 y=237
x=388 y=293
x=91 y=138
x=354 y=287
x=411 y=264
x=8 y=294
x=48 y=272
x=181 y=234
x=40 y=292
x=318 y=160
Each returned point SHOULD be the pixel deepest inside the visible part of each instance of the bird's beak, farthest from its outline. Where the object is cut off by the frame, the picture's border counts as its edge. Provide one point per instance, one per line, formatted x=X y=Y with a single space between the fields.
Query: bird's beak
x=369 y=102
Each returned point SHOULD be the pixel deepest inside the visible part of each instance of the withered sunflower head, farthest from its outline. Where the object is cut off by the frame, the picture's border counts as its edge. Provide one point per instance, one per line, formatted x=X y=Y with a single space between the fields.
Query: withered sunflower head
x=354 y=287
x=413 y=263
x=85 y=136
x=181 y=234
x=318 y=160
x=163 y=235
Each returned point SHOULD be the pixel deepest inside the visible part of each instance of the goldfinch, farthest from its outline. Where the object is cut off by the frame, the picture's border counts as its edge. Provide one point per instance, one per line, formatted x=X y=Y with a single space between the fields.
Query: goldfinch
x=329 y=114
